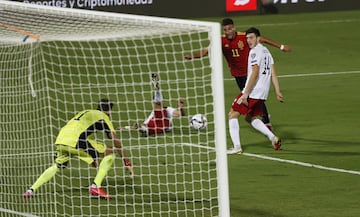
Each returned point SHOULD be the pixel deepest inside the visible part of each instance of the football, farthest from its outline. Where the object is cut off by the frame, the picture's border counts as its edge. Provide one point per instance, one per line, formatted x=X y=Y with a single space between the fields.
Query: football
x=198 y=122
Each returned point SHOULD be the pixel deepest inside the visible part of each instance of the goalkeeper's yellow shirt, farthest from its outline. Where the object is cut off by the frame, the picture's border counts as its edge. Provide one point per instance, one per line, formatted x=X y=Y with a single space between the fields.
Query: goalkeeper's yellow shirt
x=82 y=126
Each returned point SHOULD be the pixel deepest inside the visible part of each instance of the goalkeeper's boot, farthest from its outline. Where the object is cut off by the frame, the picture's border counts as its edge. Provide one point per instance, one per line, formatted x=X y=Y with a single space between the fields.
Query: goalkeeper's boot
x=236 y=150
x=28 y=194
x=155 y=81
x=277 y=143
x=99 y=192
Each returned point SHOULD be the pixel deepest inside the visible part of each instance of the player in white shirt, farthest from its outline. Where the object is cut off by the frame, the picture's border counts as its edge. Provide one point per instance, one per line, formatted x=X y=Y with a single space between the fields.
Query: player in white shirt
x=250 y=102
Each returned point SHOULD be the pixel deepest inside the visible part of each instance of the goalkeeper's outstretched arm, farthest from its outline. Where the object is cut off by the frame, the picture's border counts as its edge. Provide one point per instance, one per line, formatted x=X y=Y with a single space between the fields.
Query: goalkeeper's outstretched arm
x=121 y=151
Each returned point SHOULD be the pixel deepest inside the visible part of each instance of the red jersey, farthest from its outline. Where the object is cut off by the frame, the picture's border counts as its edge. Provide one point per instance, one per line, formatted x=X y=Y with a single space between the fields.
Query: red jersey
x=236 y=53
x=159 y=123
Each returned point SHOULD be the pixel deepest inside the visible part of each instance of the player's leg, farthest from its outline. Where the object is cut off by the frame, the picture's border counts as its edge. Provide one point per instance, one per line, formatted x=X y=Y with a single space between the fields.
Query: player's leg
x=240 y=81
x=62 y=158
x=95 y=150
x=157 y=103
x=234 y=130
x=234 y=127
x=256 y=110
x=105 y=165
x=265 y=118
x=261 y=127
x=158 y=98
x=237 y=108
x=43 y=178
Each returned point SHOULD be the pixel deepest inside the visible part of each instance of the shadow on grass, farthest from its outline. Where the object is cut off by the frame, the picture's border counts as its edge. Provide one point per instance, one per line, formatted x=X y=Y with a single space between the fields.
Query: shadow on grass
x=254 y=213
x=290 y=136
x=289 y=150
x=305 y=146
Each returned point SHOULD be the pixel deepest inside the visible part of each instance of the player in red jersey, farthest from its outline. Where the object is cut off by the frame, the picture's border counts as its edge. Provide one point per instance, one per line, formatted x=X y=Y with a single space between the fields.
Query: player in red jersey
x=236 y=51
x=160 y=119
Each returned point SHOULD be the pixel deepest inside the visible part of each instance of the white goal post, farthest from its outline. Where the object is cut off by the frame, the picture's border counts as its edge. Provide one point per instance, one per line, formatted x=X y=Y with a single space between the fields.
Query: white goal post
x=55 y=62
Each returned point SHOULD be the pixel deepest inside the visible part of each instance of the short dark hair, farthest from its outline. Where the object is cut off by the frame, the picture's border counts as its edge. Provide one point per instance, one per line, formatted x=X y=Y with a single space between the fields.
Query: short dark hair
x=227 y=21
x=105 y=105
x=253 y=30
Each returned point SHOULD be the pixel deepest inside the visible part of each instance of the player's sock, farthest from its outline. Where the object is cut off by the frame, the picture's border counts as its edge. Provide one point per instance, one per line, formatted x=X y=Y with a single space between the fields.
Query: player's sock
x=265 y=117
x=261 y=127
x=45 y=177
x=234 y=130
x=158 y=98
x=104 y=167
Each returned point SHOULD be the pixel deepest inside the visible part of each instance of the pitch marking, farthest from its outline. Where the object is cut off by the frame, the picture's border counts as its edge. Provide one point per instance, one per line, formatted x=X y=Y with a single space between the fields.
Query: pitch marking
x=318 y=74
x=255 y=155
x=285 y=161
x=301 y=163
x=16 y=213
x=311 y=74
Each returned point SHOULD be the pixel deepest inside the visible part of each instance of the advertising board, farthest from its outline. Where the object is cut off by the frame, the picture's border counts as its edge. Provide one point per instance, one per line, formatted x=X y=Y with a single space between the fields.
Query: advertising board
x=203 y=8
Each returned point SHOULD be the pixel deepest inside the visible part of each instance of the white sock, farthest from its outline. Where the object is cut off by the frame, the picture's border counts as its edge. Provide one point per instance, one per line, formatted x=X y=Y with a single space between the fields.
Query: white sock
x=158 y=96
x=234 y=129
x=261 y=127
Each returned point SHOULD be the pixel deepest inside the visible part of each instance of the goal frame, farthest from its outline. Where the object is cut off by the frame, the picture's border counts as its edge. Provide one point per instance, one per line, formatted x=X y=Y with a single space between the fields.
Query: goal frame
x=215 y=56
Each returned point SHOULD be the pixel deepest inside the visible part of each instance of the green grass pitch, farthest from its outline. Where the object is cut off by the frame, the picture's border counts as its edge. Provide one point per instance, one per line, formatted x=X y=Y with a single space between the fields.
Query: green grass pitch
x=319 y=123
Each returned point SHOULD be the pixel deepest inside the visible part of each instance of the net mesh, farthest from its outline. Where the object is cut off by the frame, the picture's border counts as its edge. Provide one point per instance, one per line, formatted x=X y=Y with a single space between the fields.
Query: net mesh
x=74 y=59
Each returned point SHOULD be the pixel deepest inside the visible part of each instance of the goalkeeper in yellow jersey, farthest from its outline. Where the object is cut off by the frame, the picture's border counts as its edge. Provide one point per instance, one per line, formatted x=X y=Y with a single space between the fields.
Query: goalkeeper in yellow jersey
x=74 y=140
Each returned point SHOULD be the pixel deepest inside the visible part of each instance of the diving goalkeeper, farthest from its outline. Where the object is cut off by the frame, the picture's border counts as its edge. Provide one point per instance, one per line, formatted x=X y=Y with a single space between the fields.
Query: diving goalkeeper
x=74 y=140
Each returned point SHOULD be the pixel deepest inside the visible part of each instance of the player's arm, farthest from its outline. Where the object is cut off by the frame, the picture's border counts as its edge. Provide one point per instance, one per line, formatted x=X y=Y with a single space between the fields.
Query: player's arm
x=180 y=111
x=276 y=85
x=283 y=47
x=251 y=83
x=131 y=127
x=121 y=151
x=201 y=53
x=117 y=144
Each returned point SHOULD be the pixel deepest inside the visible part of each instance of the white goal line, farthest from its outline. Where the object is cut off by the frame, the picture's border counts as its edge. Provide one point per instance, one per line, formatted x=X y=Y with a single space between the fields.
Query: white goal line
x=2 y=210
x=286 y=161
x=318 y=74
x=311 y=74
x=302 y=163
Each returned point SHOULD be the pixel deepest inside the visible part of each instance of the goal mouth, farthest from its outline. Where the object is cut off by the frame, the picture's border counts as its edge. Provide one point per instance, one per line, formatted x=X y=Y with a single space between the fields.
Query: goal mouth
x=56 y=62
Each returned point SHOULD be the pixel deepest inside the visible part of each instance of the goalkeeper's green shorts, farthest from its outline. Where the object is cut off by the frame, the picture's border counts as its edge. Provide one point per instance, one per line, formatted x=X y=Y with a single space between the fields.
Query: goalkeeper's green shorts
x=64 y=152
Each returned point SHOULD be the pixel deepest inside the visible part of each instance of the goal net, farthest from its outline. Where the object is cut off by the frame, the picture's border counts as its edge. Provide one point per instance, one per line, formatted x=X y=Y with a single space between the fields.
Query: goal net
x=55 y=62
